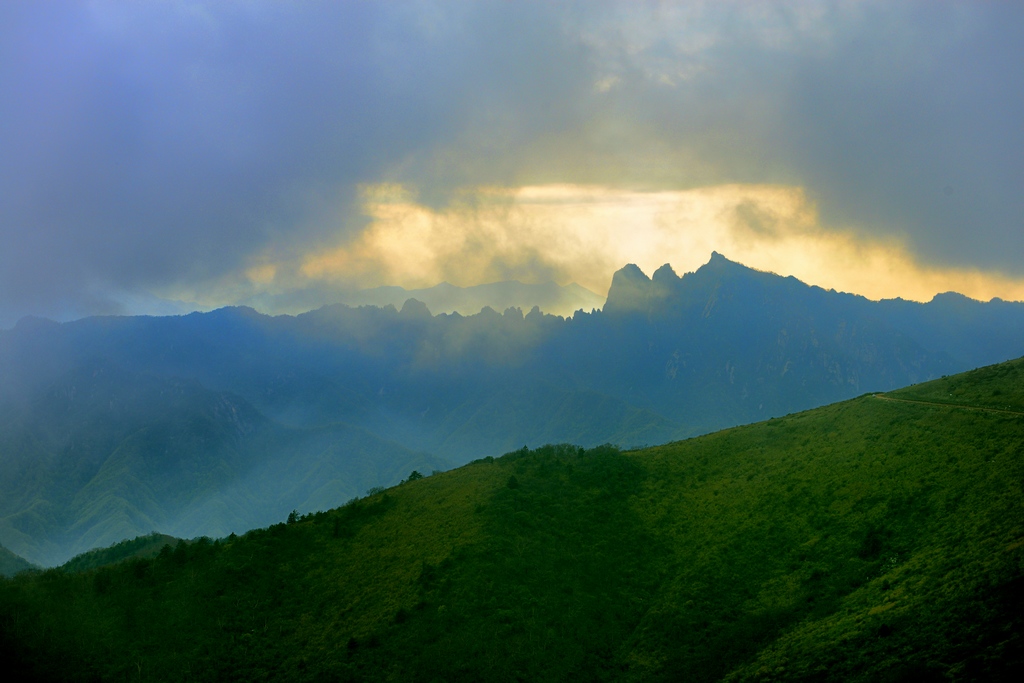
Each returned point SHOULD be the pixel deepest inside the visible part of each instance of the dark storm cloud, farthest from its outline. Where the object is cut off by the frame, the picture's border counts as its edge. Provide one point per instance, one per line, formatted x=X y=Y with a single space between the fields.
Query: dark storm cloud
x=916 y=127
x=899 y=118
x=152 y=143
x=146 y=145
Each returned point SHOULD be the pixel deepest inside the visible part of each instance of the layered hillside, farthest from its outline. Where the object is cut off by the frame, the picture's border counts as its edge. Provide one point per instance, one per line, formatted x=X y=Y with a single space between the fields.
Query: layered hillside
x=881 y=538
x=106 y=454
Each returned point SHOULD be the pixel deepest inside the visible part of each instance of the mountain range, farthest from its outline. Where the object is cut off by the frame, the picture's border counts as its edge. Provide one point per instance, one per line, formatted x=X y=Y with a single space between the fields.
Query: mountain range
x=442 y=298
x=212 y=423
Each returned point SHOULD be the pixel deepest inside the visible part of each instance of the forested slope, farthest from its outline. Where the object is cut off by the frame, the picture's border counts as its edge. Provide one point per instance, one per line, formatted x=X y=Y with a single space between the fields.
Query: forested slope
x=881 y=538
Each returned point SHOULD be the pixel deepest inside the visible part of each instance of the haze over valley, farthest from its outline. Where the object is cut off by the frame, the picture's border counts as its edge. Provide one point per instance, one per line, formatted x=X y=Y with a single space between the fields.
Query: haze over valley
x=215 y=423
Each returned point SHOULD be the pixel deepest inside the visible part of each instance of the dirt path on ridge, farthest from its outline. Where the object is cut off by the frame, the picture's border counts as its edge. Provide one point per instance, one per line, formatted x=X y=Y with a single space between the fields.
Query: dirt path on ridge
x=883 y=397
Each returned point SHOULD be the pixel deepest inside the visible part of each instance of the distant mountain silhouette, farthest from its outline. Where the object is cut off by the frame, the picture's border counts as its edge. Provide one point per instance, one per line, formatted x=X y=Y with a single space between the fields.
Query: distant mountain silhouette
x=340 y=399
x=444 y=298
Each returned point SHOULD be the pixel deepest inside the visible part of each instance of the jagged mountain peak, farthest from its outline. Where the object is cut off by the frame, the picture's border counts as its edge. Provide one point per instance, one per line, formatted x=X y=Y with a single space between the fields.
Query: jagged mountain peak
x=718 y=258
x=414 y=308
x=721 y=265
x=632 y=290
x=665 y=275
x=630 y=273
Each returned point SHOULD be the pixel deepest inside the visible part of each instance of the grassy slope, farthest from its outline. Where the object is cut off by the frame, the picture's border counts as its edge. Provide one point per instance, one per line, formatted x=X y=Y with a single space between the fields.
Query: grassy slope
x=853 y=541
x=999 y=387
x=868 y=540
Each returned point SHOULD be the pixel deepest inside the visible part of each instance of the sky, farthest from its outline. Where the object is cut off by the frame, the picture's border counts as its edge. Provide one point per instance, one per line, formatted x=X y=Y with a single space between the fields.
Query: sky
x=161 y=156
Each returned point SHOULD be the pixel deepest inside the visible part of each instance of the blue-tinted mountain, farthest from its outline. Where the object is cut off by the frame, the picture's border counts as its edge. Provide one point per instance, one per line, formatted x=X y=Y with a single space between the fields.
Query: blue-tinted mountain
x=106 y=454
x=442 y=298
x=101 y=419
x=11 y=564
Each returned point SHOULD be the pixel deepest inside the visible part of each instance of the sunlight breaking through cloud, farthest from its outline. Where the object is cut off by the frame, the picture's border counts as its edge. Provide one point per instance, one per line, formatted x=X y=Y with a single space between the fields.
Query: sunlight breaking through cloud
x=584 y=233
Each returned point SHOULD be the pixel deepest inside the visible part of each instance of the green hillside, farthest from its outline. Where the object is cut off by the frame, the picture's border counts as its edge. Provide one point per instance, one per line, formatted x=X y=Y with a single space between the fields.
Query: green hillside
x=880 y=538
x=140 y=547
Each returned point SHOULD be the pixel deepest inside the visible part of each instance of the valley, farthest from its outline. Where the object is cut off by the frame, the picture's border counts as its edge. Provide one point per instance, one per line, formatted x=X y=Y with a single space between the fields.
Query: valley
x=865 y=540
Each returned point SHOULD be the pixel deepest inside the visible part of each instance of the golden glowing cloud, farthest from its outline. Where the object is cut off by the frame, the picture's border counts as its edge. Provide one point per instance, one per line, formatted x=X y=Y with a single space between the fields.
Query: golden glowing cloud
x=584 y=233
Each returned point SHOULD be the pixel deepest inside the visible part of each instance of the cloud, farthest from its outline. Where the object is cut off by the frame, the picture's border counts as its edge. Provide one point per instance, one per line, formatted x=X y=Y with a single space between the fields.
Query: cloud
x=585 y=233
x=161 y=147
